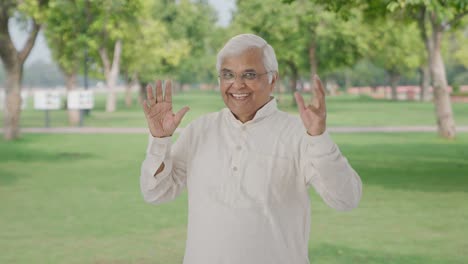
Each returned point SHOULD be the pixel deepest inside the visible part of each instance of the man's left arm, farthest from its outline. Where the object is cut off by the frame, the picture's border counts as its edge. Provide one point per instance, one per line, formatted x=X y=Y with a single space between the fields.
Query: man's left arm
x=324 y=167
x=320 y=161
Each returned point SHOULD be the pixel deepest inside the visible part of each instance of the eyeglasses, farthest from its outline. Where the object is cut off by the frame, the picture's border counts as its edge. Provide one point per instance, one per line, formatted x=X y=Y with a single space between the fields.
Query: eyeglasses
x=230 y=77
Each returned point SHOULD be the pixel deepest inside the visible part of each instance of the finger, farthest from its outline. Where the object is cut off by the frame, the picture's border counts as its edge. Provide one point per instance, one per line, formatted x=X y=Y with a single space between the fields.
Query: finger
x=315 y=101
x=319 y=86
x=319 y=93
x=145 y=107
x=168 y=92
x=299 y=101
x=179 y=115
x=149 y=93
x=159 y=92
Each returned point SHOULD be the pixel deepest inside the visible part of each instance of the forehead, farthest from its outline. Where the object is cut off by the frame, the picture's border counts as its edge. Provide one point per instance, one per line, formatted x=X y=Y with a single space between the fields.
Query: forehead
x=250 y=59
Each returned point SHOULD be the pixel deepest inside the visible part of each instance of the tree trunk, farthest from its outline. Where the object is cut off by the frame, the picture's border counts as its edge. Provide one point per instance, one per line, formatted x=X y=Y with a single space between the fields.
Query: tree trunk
x=11 y=115
x=13 y=61
x=111 y=100
x=443 y=105
x=424 y=82
x=73 y=114
x=111 y=73
x=128 y=91
x=394 y=80
x=128 y=95
x=424 y=33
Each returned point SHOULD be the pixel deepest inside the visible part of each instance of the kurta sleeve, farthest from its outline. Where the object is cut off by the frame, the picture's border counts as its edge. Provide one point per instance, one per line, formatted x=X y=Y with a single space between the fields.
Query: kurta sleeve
x=324 y=167
x=170 y=182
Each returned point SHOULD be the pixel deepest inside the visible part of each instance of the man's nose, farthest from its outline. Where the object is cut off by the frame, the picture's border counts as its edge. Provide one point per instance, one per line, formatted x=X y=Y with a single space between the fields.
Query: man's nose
x=238 y=81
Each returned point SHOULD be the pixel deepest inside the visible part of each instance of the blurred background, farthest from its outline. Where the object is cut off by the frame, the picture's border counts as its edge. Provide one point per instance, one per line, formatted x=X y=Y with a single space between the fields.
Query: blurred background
x=74 y=136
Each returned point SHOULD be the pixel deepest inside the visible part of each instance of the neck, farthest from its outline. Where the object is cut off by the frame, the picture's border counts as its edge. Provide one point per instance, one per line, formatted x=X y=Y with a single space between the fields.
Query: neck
x=244 y=119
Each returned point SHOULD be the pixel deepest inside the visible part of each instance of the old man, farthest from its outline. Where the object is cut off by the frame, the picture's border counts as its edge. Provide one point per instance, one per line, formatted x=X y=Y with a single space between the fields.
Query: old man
x=248 y=167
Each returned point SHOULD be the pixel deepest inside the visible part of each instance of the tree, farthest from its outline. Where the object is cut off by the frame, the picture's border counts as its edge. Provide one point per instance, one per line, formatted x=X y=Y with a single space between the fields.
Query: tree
x=109 y=24
x=306 y=37
x=194 y=22
x=278 y=24
x=435 y=17
x=64 y=31
x=396 y=48
x=151 y=51
x=32 y=12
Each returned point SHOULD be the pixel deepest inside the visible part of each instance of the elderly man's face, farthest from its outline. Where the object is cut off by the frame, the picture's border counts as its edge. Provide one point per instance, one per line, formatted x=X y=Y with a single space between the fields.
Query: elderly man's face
x=244 y=95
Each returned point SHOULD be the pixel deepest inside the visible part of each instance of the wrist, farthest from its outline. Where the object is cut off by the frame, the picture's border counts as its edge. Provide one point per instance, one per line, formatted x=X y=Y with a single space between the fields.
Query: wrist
x=315 y=132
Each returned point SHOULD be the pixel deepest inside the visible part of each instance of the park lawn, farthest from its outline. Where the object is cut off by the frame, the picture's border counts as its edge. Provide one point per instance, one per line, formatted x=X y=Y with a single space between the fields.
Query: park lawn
x=75 y=199
x=345 y=110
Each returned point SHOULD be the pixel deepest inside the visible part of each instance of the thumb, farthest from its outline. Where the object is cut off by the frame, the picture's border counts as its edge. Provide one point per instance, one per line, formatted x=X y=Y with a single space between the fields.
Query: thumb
x=179 y=115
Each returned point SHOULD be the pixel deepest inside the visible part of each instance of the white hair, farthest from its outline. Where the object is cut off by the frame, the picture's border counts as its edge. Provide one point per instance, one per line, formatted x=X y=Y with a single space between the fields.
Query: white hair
x=240 y=43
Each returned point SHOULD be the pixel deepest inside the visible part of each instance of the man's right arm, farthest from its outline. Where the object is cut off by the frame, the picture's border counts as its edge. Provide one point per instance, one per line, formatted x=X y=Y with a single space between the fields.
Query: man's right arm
x=163 y=171
x=161 y=168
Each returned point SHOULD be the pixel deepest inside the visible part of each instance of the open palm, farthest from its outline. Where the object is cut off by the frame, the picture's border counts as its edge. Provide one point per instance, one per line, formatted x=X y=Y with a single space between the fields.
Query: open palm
x=162 y=122
x=314 y=115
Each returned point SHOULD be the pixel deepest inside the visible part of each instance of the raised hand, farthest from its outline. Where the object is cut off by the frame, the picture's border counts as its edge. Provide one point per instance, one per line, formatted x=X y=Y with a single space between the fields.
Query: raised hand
x=314 y=116
x=162 y=122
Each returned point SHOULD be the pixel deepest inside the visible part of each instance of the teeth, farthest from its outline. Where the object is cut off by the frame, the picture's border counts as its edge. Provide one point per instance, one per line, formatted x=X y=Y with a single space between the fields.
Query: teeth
x=239 y=96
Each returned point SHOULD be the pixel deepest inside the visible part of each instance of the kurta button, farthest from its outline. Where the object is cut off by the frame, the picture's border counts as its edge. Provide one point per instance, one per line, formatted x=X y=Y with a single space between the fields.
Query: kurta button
x=234 y=168
x=238 y=147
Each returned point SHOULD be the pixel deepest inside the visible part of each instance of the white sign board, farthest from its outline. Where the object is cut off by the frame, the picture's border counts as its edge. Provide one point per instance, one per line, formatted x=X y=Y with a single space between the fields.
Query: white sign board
x=83 y=99
x=46 y=100
x=24 y=100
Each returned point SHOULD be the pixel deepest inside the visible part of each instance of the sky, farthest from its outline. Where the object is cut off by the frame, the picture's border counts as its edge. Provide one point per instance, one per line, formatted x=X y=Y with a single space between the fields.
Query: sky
x=42 y=52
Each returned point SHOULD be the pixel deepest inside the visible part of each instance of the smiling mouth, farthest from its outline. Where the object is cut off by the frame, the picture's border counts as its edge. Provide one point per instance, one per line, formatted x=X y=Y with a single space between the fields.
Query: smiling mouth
x=239 y=96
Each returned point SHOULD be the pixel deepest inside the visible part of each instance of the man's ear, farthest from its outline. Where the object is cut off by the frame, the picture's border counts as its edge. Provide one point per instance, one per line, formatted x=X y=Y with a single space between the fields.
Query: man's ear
x=274 y=79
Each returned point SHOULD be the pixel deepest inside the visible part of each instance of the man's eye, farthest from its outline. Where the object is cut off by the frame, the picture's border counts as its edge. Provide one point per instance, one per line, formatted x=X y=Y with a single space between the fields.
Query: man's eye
x=250 y=75
x=228 y=75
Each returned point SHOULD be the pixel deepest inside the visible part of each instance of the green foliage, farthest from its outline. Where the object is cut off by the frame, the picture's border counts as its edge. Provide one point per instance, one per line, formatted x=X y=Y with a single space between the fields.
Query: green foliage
x=73 y=26
x=276 y=23
x=176 y=40
x=109 y=21
x=149 y=48
x=458 y=45
x=396 y=47
x=365 y=73
x=66 y=33
x=443 y=11
x=34 y=9
x=292 y=28
x=195 y=23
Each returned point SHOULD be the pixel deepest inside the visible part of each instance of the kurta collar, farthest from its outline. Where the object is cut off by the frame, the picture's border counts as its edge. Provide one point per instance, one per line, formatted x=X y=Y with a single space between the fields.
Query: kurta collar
x=265 y=111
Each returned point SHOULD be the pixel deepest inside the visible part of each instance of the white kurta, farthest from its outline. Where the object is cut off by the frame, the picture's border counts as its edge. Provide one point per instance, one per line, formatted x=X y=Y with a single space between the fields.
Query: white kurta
x=248 y=185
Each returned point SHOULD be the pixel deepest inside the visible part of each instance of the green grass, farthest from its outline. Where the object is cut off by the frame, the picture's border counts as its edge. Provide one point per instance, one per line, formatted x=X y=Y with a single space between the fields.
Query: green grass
x=342 y=111
x=75 y=199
